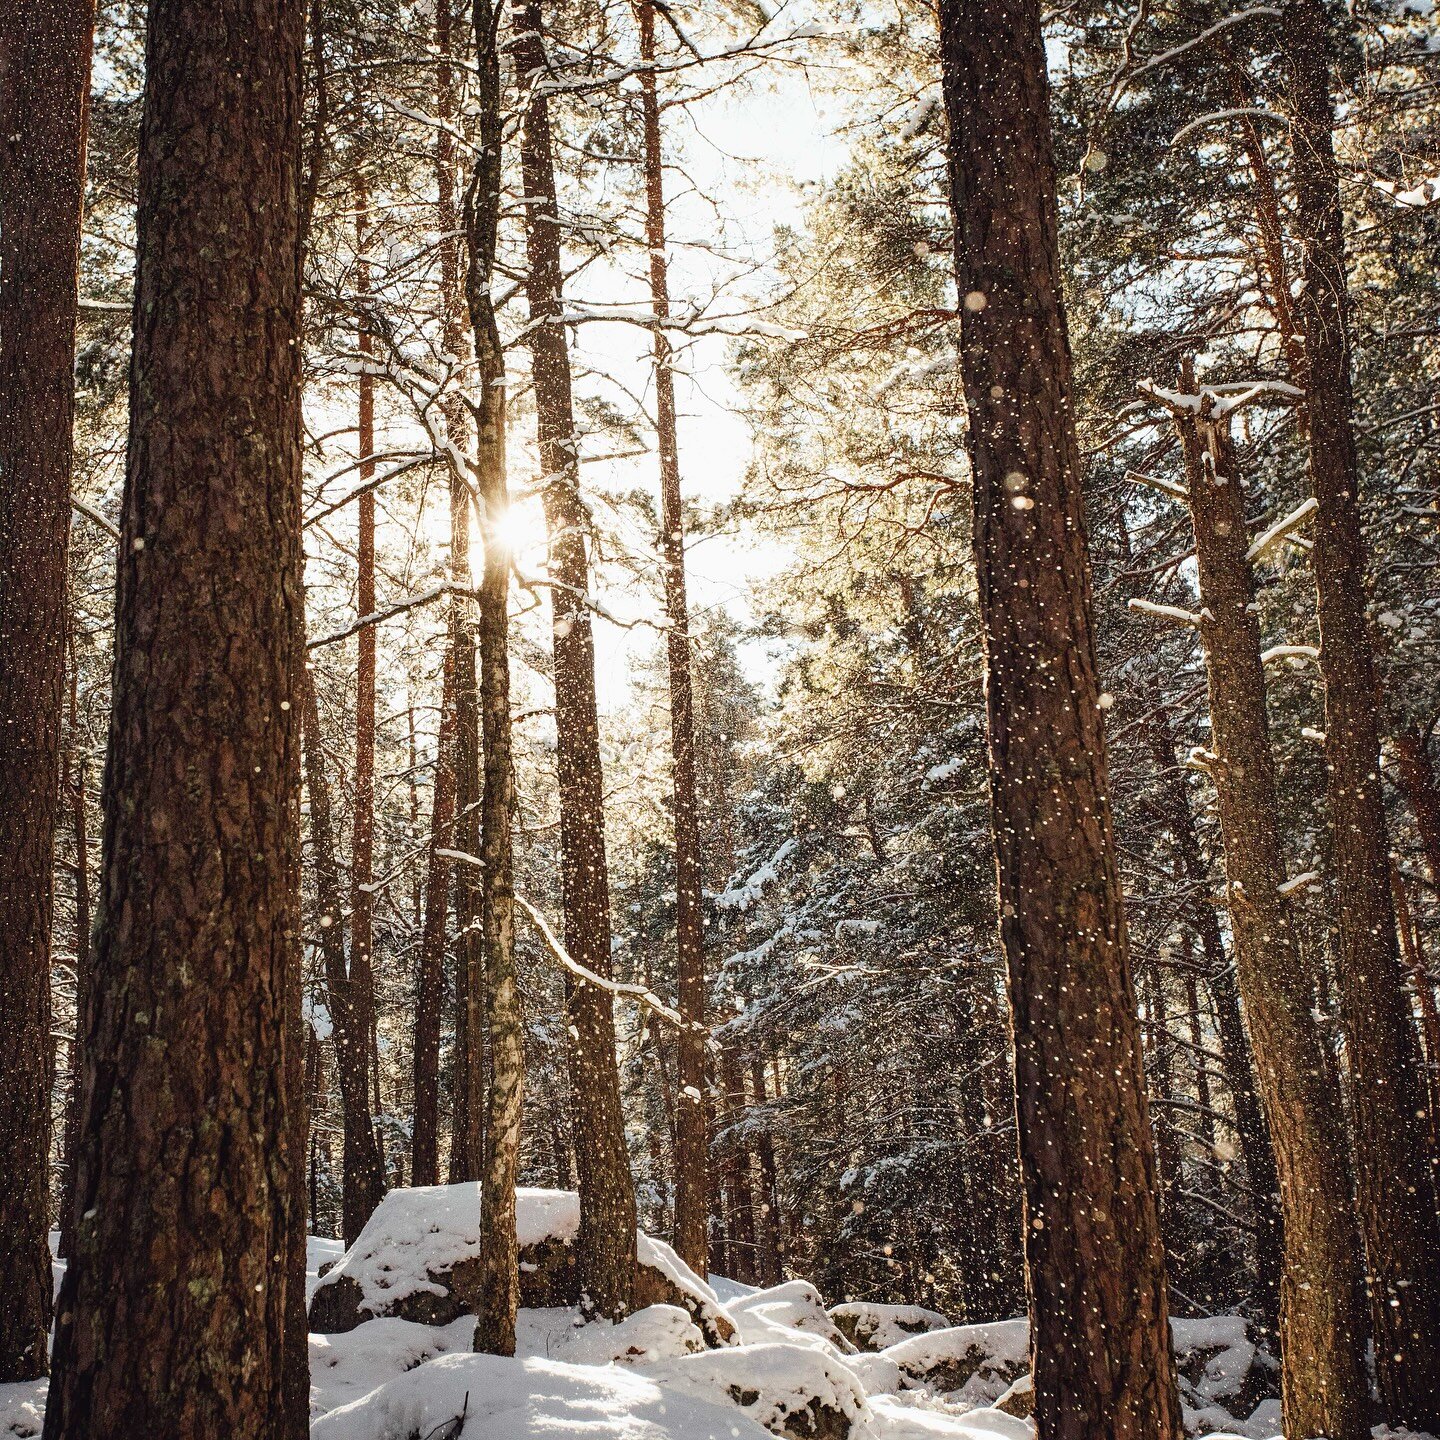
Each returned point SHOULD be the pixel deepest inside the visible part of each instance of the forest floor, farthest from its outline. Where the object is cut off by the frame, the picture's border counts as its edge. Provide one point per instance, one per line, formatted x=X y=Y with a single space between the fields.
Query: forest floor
x=727 y=1362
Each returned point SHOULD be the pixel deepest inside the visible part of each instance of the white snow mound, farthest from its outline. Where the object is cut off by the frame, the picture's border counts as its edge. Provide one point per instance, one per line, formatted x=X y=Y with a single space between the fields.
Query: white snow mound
x=796 y=1305
x=503 y=1399
x=788 y=1389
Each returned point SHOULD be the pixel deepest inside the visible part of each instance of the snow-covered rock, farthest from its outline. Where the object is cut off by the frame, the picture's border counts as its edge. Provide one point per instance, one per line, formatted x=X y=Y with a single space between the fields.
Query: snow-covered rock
x=418 y=1259
x=872 y=1326
x=795 y=1305
x=663 y=1278
x=1224 y=1373
x=791 y=1390
x=489 y=1397
x=977 y=1362
x=22 y=1409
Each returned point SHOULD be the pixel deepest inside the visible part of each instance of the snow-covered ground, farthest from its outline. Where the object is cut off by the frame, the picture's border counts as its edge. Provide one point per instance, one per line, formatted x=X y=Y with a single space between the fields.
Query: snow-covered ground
x=725 y=1362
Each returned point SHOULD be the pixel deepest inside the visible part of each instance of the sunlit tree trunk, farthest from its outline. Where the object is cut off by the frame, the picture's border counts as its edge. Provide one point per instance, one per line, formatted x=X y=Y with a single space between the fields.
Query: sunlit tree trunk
x=178 y=1282
x=44 y=89
x=430 y=974
x=1322 y=1330
x=1394 y=1160
x=1100 y=1337
x=692 y=1181
x=499 y=1251
x=607 y=1198
x=362 y=832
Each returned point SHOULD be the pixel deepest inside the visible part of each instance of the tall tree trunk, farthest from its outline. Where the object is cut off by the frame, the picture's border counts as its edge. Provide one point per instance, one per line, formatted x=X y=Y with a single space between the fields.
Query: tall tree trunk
x=768 y=1230
x=1394 y=1170
x=1100 y=1337
x=1162 y=1063
x=362 y=1177
x=499 y=1250
x=430 y=976
x=289 y=1247
x=735 y=1172
x=467 y=1145
x=1417 y=780
x=177 y=1286
x=1323 y=1384
x=607 y=1195
x=74 y=788
x=1424 y=989
x=44 y=89
x=1253 y=1133
x=692 y=1181
x=362 y=830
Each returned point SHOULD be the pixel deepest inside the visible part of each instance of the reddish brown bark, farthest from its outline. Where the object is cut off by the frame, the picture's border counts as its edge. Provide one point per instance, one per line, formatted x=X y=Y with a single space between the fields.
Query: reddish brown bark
x=44 y=86
x=1417 y=780
x=430 y=977
x=499 y=1258
x=1323 y=1387
x=1394 y=1160
x=607 y=1197
x=361 y=975
x=692 y=1181
x=1100 y=1336
x=172 y=1316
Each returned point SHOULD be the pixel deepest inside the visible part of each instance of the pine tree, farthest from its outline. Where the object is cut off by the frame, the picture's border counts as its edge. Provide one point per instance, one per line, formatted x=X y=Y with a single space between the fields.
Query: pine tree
x=1099 y=1316
x=178 y=1281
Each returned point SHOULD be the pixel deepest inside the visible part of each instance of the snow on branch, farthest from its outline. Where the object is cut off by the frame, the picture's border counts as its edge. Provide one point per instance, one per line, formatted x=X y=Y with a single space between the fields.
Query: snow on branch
x=1171 y=613
x=94 y=517
x=1252 y=110
x=586 y=976
x=1427 y=192
x=1282 y=528
x=1218 y=401
x=1290 y=652
x=1165 y=487
x=1298 y=882
x=410 y=602
x=1155 y=61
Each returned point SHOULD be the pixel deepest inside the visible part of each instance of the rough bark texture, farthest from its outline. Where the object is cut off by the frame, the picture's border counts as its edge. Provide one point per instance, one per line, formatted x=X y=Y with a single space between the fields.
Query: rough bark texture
x=360 y=1205
x=1394 y=1174
x=172 y=1315
x=692 y=1180
x=1322 y=1331
x=1417 y=780
x=607 y=1196
x=499 y=1249
x=1099 y=1314
x=44 y=86
x=430 y=975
